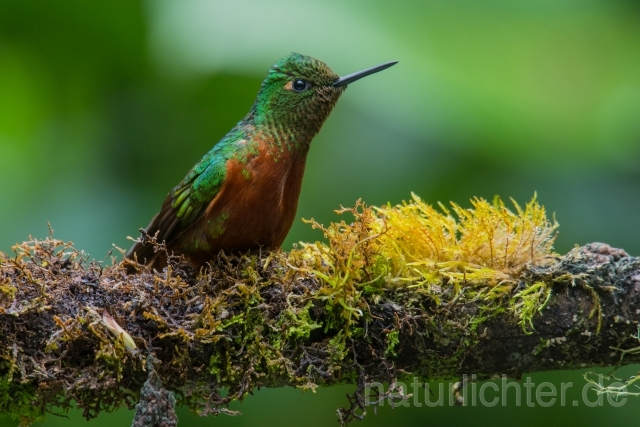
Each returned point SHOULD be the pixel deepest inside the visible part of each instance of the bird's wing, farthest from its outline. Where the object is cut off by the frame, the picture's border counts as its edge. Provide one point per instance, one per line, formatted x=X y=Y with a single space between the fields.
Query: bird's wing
x=185 y=203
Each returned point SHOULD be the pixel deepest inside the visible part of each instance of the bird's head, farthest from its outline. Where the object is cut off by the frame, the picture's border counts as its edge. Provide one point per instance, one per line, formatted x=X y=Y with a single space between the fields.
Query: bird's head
x=299 y=93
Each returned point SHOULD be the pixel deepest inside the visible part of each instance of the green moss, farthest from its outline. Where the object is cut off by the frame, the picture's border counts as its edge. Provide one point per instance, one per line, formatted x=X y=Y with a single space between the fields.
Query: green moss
x=17 y=402
x=530 y=301
x=16 y=398
x=8 y=289
x=296 y=323
x=392 y=340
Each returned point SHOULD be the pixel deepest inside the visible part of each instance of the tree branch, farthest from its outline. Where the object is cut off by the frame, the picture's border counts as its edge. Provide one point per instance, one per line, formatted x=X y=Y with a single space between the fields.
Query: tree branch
x=73 y=330
x=55 y=347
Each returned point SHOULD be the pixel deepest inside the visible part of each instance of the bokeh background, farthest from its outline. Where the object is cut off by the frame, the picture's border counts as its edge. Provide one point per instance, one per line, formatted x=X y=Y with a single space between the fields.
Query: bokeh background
x=104 y=106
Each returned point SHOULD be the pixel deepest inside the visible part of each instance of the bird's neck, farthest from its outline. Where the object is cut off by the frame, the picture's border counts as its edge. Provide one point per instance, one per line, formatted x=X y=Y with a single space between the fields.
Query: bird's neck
x=295 y=138
x=286 y=130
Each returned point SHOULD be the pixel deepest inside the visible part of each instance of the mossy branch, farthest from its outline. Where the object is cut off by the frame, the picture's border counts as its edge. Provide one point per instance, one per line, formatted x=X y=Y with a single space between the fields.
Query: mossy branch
x=401 y=290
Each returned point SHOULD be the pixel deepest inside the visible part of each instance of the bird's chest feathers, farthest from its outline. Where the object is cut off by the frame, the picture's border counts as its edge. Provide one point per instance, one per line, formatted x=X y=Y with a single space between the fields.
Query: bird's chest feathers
x=261 y=187
x=259 y=171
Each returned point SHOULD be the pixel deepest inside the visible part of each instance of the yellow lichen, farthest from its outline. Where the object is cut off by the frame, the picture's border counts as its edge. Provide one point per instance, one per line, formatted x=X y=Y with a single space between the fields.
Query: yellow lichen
x=417 y=246
x=485 y=242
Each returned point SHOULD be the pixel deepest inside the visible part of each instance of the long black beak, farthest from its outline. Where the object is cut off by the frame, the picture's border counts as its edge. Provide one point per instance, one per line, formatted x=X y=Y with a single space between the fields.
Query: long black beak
x=360 y=74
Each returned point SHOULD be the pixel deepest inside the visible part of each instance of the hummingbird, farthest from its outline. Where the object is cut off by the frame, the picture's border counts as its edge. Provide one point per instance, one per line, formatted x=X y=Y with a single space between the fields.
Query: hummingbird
x=243 y=194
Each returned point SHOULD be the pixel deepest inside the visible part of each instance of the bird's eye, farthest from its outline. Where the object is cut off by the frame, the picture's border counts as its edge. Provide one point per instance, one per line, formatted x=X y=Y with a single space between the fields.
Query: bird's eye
x=300 y=85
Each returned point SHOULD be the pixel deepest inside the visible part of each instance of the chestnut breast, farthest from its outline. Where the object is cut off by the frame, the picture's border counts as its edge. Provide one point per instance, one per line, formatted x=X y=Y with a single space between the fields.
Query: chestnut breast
x=256 y=205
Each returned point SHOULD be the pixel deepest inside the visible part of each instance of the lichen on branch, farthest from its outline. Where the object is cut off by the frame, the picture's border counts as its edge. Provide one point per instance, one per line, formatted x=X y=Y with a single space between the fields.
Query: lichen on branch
x=435 y=292
x=479 y=252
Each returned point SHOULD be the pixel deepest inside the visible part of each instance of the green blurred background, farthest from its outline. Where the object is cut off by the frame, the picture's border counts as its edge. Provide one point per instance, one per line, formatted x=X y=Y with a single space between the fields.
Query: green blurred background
x=104 y=106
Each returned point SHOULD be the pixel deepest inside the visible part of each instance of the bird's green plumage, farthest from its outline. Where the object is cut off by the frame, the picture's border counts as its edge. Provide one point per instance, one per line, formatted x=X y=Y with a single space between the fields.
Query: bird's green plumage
x=203 y=182
x=244 y=191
